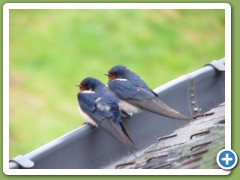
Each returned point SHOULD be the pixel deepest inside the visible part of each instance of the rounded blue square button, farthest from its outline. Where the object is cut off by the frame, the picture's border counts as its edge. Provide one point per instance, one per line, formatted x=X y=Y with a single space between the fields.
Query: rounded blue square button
x=227 y=159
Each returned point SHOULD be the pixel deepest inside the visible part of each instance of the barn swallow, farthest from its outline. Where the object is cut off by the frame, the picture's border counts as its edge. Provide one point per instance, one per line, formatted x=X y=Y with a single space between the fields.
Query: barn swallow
x=130 y=88
x=99 y=107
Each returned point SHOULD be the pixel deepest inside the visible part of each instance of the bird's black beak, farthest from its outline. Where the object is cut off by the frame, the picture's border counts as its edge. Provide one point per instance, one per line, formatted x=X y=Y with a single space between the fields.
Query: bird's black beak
x=106 y=74
x=78 y=85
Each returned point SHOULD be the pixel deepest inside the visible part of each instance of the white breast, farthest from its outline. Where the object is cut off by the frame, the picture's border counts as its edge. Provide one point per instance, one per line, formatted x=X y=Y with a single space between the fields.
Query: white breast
x=121 y=79
x=87 y=118
x=125 y=106
x=88 y=92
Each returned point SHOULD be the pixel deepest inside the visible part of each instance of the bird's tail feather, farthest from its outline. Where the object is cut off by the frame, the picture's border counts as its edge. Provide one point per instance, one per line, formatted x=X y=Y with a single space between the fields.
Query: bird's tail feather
x=119 y=134
x=124 y=130
x=157 y=106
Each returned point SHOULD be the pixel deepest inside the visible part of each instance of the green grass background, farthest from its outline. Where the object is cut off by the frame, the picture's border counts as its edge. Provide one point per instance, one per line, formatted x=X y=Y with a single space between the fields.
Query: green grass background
x=52 y=50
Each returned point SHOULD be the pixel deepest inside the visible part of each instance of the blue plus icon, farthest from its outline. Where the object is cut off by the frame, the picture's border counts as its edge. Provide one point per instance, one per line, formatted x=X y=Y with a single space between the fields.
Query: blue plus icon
x=227 y=159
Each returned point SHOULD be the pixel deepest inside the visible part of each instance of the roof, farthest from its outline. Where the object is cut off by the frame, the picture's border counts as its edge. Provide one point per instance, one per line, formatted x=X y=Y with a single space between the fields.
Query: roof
x=193 y=146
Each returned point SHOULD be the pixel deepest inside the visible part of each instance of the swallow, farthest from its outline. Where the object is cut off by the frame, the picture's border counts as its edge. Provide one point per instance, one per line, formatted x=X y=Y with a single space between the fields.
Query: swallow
x=130 y=87
x=99 y=107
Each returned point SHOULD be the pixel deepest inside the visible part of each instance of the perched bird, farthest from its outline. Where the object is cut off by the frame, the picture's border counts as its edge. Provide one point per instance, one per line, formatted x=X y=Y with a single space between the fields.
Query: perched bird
x=99 y=107
x=130 y=88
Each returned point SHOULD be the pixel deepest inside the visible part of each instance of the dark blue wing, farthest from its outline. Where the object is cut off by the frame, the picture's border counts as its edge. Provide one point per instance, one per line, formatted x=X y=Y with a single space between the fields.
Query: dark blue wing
x=128 y=90
x=106 y=115
x=144 y=98
x=94 y=106
x=87 y=101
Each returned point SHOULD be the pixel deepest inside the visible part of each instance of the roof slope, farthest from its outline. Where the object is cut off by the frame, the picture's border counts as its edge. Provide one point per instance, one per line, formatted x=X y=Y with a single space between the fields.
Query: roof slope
x=193 y=146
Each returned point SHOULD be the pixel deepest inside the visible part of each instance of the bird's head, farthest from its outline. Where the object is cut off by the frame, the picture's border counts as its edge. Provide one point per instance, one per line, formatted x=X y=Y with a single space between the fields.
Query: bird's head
x=118 y=71
x=88 y=84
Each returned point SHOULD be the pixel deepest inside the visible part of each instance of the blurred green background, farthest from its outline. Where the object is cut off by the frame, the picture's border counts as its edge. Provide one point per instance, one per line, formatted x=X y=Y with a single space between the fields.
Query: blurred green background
x=52 y=50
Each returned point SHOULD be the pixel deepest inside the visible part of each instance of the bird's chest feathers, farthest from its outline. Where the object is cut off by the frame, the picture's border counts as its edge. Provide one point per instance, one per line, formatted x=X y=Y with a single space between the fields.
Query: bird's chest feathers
x=124 y=105
x=87 y=118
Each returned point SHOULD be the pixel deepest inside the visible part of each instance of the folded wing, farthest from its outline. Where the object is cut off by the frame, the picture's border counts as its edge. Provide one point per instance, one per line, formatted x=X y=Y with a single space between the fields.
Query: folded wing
x=144 y=98
x=105 y=116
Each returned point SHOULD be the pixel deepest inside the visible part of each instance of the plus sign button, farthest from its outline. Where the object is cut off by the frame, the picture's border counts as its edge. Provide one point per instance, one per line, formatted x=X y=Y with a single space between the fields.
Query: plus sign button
x=227 y=159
